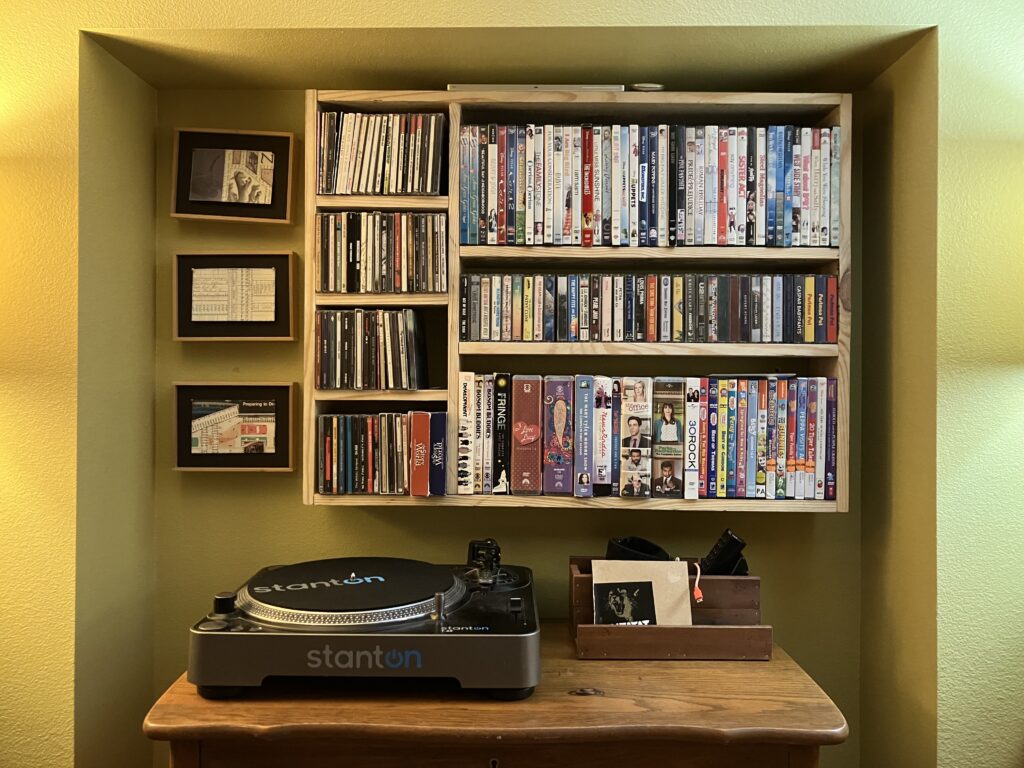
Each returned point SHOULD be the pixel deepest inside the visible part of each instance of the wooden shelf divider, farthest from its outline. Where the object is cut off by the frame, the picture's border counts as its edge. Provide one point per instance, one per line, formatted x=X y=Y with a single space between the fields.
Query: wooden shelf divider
x=378 y=395
x=570 y=502
x=773 y=257
x=382 y=202
x=381 y=299
x=628 y=348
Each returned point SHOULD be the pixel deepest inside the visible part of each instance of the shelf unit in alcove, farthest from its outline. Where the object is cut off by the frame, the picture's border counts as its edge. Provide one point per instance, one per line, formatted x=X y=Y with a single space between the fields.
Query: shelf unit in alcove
x=476 y=107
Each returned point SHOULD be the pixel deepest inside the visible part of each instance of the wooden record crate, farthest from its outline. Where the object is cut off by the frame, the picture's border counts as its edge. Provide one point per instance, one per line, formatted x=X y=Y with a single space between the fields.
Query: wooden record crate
x=726 y=626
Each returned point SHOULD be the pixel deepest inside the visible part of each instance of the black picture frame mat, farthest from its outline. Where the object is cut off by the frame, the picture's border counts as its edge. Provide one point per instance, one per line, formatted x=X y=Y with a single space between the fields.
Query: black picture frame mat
x=281 y=326
x=279 y=145
x=280 y=459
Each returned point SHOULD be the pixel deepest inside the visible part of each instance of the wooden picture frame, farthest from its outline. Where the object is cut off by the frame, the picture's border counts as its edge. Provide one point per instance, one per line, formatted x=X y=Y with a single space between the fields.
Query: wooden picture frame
x=236 y=418
x=194 y=194
x=184 y=323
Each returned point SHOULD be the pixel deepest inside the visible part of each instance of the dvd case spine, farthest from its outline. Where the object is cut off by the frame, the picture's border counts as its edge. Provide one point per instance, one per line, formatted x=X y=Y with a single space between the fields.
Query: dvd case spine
x=466 y=448
x=712 y=429
x=616 y=435
x=691 y=437
x=603 y=437
x=558 y=435
x=487 y=439
x=583 y=439
x=527 y=433
x=502 y=434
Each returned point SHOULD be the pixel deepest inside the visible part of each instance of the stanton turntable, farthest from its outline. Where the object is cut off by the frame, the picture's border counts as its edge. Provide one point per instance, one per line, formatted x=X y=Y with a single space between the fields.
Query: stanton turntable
x=372 y=617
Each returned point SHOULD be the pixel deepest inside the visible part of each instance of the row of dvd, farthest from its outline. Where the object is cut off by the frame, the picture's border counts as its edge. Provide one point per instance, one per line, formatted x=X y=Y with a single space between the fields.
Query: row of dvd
x=649 y=185
x=771 y=437
x=691 y=308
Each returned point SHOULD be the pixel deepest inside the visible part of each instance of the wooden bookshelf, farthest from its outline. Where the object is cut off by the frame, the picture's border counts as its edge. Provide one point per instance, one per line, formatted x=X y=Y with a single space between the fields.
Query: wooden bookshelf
x=583 y=106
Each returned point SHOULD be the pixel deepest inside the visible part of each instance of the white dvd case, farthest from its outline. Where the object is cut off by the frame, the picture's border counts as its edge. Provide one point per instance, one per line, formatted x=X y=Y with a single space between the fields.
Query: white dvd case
x=530 y=191
x=538 y=184
x=711 y=185
x=691 y=446
x=663 y=183
x=577 y=185
x=549 y=183
x=624 y=189
x=616 y=173
x=815 y=185
x=835 y=186
x=699 y=182
x=825 y=215
x=558 y=186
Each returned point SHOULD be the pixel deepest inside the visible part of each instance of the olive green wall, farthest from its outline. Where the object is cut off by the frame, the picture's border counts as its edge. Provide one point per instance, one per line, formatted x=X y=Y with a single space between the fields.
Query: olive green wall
x=114 y=605
x=978 y=319
x=897 y=146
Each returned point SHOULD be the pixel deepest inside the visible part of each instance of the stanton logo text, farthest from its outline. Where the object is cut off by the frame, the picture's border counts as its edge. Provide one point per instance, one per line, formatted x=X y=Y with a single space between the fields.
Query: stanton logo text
x=352 y=580
x=378 y=658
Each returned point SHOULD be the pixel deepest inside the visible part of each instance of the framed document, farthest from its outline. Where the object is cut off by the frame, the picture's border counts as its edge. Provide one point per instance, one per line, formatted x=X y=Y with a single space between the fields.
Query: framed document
x=233 y=296
x=228 y=427
x=232 y=175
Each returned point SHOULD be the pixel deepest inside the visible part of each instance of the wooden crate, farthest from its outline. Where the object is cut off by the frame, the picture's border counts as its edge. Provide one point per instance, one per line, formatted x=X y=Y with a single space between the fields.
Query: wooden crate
x=726 y=626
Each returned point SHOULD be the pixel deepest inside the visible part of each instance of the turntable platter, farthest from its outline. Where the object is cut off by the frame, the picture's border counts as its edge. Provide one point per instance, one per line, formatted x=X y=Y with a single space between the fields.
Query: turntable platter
x=349 y=591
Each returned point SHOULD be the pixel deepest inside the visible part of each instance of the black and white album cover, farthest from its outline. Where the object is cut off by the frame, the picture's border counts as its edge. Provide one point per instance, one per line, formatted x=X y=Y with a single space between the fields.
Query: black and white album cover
x=641 y=593
x=627 y=602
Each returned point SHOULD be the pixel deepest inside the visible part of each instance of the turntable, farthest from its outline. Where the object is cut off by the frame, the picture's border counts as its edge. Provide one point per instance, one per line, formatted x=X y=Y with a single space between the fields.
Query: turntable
x=374 y=617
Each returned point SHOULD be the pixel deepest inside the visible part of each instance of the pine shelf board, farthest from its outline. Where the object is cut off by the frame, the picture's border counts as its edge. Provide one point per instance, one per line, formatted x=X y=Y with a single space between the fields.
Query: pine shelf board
x=504 y=254
x=569 y=502
x=383 y=202
x=624 y=102
x=627 y=348
x=381 y=299
x=381 y=395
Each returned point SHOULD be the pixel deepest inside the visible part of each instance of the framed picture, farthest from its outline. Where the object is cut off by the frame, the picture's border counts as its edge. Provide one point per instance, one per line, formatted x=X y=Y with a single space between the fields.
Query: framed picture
x=232 y=427
x=232 y=175
x=233 y=296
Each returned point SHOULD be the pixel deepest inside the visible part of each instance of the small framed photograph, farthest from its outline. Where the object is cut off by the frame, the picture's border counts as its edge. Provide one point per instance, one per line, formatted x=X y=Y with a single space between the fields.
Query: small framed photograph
x=232 y=175
x=233 y=296
x=230 y=427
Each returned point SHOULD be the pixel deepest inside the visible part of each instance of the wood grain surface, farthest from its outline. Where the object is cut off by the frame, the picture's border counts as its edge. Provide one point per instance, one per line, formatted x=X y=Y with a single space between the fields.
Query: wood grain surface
x=720 y=703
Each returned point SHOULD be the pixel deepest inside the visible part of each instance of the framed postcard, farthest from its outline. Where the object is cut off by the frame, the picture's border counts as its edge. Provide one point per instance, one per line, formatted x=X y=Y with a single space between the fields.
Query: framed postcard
x=231 y=427
x=233 y=296
x=232 y=175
